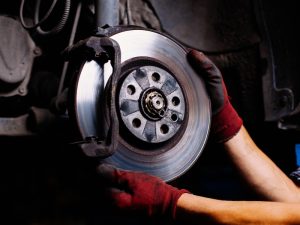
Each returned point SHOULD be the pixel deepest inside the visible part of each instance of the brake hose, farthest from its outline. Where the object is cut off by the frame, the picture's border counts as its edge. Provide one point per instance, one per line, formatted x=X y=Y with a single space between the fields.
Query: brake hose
x=38 y=22
x=41 y=21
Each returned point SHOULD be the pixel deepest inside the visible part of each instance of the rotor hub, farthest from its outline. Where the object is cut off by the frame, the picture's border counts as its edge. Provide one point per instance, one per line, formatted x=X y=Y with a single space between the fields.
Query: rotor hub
x=152 y=104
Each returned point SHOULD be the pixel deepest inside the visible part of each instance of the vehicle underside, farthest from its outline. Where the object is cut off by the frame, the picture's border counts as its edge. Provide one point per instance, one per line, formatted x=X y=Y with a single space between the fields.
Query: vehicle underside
x=83 y=82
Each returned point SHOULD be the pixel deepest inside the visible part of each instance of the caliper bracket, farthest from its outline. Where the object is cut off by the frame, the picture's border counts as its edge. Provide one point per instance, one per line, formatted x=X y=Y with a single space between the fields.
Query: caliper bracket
x=100 y=49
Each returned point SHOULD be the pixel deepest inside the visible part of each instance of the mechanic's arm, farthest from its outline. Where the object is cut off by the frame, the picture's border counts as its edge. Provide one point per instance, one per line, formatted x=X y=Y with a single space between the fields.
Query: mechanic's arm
x=192 y=209
x=147 y=195
x=259 y=171
x=227 y=129
x=264 y=176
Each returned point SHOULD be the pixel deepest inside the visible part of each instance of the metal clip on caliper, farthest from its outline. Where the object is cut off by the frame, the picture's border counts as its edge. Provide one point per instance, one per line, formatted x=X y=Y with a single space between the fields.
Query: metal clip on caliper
x=101 y=49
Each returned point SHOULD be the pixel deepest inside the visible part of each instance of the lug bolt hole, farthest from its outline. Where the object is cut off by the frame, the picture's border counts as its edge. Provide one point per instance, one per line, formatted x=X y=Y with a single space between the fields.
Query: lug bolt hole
x=136 y=123
x=175 y=101
x=155 y=77
x=164 y=129
x=174 y=117
x=130 y=89
x=162 y=113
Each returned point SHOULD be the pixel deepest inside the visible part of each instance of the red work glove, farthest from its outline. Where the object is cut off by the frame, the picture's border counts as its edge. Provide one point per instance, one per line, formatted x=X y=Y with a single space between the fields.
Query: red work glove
x=225 y=120
x=140 y=192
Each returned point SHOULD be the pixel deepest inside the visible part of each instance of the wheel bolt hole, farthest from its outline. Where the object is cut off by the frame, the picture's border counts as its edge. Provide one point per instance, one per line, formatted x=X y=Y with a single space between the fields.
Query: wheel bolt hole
x=174 y=117
x=175 y=101
x=136 y=123
x=155 y=77
x=164 y=129
x=130 y=89
x=162 y=113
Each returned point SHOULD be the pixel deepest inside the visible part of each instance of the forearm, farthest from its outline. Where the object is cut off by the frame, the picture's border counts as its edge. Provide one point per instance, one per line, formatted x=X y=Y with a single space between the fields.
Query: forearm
x=261 y=173
x=193 y=209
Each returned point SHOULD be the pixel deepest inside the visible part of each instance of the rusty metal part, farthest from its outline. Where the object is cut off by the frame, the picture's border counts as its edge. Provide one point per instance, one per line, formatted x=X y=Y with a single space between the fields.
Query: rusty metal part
x=14 y=127
x=17 y=53
x=168 y=159
x=36 y=121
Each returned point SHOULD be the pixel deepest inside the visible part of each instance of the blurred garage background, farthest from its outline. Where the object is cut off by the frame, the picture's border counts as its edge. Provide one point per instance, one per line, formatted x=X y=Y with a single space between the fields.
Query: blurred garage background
x=45 y=180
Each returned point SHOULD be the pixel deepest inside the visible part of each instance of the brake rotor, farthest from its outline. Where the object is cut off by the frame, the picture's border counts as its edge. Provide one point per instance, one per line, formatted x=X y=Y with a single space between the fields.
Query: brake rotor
x=163 y=106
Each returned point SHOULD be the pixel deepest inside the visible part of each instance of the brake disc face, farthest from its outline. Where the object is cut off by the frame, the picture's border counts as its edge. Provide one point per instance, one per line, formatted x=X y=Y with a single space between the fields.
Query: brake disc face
x=163 y=106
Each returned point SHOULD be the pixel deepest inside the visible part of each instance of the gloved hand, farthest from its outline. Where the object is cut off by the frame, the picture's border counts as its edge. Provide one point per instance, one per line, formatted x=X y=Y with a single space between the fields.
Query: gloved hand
x=140 y=192
x=225 y=120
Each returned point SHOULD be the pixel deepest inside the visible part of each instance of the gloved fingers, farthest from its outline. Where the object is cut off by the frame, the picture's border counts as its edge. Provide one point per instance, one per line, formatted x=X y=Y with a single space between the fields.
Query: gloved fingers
x=107 y=173
x=204 y=65
x=112 y=176
x=212 y=77
x=120 y=199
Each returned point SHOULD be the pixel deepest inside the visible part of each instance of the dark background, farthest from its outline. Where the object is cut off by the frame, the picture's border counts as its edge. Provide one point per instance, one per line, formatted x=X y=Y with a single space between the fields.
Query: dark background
x=44 y=180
